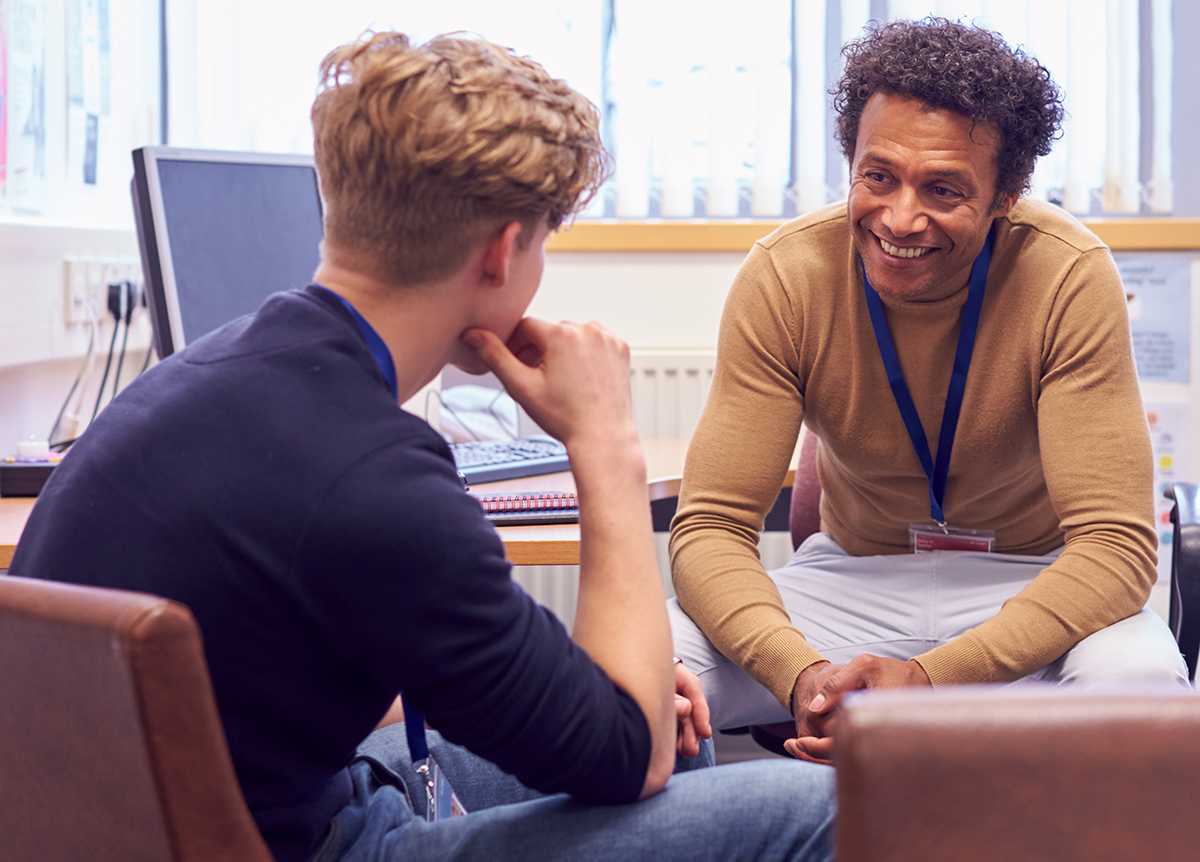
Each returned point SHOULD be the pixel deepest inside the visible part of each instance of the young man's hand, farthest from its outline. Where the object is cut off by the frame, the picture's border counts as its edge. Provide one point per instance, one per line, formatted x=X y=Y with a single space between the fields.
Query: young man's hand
x=691 y=712
x=572 y=379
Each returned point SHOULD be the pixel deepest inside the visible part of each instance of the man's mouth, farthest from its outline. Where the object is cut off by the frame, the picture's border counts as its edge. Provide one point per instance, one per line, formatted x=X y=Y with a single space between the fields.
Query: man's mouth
x=897 y=251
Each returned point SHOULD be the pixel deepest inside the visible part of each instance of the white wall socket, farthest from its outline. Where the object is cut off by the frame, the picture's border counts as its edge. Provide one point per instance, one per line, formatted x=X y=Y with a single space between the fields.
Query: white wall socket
x=88 y=277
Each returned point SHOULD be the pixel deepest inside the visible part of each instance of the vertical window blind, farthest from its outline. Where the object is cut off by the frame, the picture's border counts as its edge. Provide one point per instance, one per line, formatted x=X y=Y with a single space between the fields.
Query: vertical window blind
x=711 y=109
x=723 y=110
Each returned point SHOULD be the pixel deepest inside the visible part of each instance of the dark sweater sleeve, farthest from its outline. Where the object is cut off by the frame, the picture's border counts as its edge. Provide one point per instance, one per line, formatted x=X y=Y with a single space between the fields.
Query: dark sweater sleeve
x=409 y=581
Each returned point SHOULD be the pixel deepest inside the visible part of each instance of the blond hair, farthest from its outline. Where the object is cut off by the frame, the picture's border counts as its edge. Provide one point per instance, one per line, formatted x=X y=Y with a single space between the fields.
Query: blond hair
x=422 y=151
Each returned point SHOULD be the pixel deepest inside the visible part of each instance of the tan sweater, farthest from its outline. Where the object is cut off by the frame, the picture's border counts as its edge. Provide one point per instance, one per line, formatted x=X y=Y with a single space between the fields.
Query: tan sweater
x=1052 y=442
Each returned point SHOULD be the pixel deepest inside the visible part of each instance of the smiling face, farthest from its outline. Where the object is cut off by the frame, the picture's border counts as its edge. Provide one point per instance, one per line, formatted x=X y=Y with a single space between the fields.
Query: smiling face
x=921 y=195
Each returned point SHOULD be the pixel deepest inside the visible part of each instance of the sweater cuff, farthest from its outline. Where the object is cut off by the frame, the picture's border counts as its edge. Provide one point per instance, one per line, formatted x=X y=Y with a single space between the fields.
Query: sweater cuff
x=778 y=660
x=962 y=661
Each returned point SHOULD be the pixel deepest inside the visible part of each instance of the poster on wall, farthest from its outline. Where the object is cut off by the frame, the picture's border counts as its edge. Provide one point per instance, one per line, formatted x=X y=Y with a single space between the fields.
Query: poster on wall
x=89 y=65
x=1158 y=290
x=1168 y=438
x=26 y=104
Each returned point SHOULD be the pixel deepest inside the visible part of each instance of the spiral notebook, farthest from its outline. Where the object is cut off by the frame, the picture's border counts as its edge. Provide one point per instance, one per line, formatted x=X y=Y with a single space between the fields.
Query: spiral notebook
x=507 y=510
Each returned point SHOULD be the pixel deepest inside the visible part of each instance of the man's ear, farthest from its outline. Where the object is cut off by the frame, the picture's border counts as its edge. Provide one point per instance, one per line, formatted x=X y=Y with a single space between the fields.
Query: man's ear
x=1004 y=205
x=498 y=254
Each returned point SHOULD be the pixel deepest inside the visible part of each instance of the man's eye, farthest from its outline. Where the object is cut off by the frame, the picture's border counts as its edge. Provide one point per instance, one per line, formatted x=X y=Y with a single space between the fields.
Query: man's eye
x=943 y=192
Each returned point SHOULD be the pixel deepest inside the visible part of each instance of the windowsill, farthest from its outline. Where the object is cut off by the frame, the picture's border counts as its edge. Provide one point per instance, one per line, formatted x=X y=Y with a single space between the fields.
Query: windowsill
x=732 y=235
x=1140 y=234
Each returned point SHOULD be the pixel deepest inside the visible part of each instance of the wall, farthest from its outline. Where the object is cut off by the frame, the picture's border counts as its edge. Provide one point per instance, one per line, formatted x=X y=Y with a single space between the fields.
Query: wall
x=39 y=352
x=651 y=299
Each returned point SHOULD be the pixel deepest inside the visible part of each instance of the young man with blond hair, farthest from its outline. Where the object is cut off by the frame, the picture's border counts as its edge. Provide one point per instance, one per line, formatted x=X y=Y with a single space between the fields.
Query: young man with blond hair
x=266 y=477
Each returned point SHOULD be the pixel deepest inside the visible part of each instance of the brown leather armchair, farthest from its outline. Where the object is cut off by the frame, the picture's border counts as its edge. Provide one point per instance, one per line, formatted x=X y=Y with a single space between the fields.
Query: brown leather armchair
x=111 y=747
x=1032 y=773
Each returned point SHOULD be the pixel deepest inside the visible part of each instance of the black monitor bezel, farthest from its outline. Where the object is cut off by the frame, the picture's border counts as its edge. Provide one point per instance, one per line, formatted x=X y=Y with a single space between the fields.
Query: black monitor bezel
x=154 y=242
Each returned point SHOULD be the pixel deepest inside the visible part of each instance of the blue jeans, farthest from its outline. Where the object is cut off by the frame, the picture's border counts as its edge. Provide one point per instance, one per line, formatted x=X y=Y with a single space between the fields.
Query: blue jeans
x=761 y=810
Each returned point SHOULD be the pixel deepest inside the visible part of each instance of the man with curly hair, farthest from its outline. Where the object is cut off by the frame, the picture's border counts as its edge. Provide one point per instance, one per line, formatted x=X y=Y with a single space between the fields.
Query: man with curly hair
x=267 y=478
x=963 y=356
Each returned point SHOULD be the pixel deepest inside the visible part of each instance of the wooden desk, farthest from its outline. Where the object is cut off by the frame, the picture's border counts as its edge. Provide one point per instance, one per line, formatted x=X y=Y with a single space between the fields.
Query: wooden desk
x=558 y=544
x=551 y=545
x=14 y=512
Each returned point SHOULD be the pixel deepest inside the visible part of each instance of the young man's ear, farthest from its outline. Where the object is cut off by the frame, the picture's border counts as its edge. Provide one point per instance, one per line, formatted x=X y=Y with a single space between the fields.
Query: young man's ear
x=498 y=253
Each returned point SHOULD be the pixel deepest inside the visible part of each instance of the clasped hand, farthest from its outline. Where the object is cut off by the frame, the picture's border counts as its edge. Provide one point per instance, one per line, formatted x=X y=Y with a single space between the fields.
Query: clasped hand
x=691 y=712
x=819 y=691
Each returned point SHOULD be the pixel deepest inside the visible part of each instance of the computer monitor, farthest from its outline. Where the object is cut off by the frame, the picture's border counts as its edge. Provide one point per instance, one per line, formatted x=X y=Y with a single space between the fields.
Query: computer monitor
x=220 y=232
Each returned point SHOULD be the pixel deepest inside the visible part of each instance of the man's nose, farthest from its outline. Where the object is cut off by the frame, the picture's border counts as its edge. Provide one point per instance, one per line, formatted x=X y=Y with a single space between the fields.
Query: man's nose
x=906 y=215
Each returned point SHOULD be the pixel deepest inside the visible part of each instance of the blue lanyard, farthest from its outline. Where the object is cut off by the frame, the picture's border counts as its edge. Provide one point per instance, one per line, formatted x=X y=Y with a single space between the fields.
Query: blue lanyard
x=414 y=721
x=383 y=356
x=938 y=472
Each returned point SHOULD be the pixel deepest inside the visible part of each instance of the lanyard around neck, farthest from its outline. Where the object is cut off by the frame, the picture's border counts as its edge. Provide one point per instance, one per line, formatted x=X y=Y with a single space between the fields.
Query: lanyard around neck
x=414 y=721
x=379 y=350
x=938 y=472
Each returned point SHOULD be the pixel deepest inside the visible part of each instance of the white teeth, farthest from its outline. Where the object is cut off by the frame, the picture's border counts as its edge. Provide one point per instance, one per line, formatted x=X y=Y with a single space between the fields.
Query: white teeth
x=896 y=251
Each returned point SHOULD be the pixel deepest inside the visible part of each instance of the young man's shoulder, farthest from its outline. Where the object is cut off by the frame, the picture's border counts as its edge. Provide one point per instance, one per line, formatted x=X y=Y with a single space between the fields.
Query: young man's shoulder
x=289 y=322
x=297 y=368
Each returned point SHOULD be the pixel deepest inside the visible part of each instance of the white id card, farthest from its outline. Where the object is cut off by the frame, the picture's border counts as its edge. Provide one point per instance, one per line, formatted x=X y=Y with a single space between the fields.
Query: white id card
x=927 y=538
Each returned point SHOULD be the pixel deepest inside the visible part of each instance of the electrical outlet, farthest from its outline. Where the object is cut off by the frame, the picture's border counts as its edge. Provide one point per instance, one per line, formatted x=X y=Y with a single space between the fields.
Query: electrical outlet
x=74 y=289
x=88 y=276
x=97 y=288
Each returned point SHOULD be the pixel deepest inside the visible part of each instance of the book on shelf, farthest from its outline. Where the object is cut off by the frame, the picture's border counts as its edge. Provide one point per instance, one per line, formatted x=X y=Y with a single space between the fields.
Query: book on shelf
x=505 y=510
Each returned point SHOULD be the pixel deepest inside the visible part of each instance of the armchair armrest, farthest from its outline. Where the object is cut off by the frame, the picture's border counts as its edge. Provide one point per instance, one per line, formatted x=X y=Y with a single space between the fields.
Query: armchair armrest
x=1033 y=772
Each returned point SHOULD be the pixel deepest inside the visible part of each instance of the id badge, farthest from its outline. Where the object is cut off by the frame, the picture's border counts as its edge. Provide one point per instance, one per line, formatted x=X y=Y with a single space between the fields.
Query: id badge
x=440 y=799
x=927 y=538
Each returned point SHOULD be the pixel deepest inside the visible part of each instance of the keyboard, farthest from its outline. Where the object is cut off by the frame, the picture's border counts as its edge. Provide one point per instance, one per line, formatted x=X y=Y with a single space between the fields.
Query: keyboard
x=492 y=460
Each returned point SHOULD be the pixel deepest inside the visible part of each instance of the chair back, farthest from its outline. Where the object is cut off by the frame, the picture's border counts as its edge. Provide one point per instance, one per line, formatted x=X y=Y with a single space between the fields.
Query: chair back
x=1029 y=772
x=1184 y=609
x=805 y=513
x=111 y=747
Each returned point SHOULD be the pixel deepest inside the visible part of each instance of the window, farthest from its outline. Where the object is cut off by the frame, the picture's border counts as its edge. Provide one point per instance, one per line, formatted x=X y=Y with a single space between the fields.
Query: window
x=711 y=109
x=79 y=89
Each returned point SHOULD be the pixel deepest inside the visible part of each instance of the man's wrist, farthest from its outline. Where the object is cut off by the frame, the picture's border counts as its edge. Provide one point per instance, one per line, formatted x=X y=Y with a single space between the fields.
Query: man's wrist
x=920 y=675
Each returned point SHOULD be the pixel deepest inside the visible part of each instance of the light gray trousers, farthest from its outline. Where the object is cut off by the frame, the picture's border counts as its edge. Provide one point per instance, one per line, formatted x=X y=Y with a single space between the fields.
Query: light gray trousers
x=902 y=605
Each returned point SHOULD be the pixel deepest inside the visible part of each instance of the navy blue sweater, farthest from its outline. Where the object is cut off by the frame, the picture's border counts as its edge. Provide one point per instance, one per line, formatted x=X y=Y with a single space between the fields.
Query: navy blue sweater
x=265 y=478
